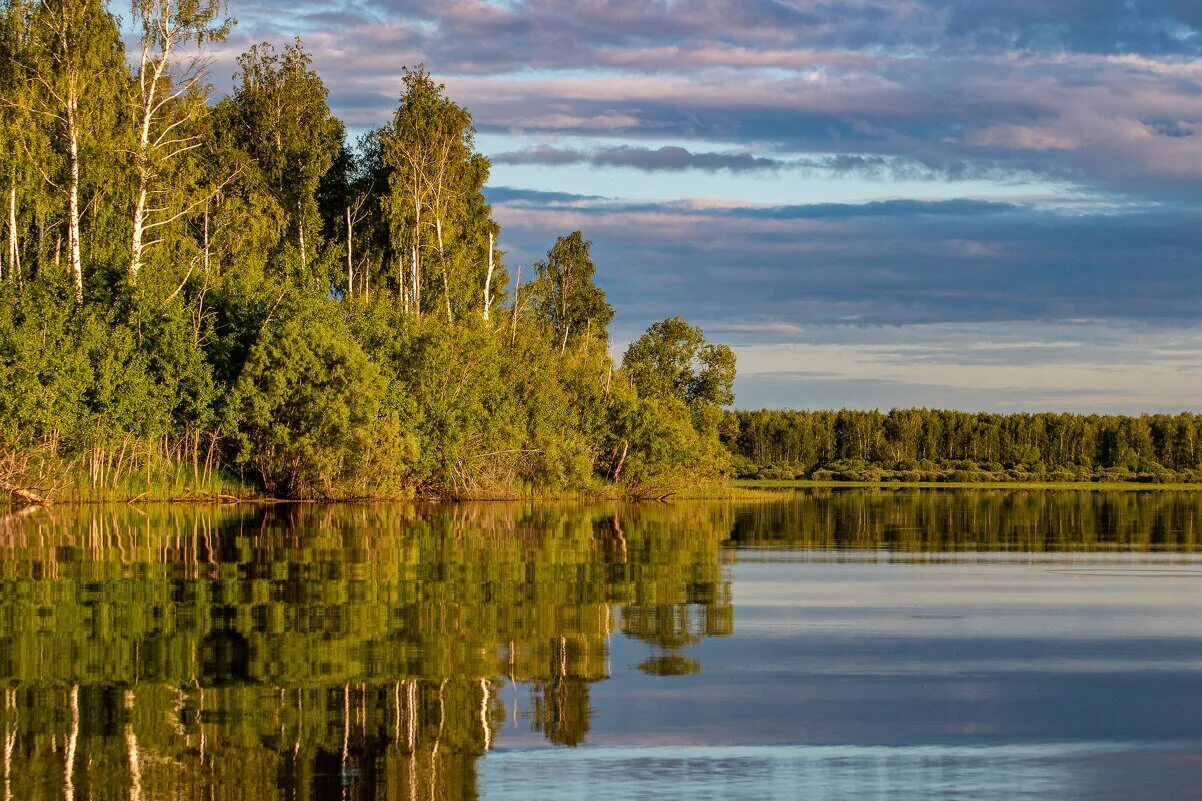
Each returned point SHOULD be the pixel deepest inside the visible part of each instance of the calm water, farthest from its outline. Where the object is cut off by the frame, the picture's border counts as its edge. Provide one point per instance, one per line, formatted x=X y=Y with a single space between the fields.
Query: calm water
x=830 y=645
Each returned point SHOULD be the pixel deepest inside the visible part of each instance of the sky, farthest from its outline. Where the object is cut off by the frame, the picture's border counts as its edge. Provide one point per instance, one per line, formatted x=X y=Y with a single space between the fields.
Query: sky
x=978 y=204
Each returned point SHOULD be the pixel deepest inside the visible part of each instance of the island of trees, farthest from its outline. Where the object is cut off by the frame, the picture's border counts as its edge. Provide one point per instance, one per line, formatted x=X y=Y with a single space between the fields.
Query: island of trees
x=201 y=297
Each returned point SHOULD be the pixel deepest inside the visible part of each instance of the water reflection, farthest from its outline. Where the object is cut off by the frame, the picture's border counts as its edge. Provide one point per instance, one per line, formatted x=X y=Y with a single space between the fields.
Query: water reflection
x=948 y=520
x=299 y=652
x=307 y=652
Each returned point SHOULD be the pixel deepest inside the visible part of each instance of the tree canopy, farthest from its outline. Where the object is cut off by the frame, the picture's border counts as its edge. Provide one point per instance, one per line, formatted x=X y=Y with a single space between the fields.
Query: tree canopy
x=200 y=296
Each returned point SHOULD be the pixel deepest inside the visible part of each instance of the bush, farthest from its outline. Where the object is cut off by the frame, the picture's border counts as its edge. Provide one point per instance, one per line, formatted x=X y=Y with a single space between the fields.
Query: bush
x=305 y=414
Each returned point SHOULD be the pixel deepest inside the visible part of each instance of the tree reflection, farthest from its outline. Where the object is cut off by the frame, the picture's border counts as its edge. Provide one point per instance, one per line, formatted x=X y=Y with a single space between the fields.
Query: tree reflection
x=948 y=520
x=318 y=652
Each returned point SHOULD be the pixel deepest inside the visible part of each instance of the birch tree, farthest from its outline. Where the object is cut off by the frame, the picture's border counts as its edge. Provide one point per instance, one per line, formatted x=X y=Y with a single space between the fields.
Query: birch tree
x=673 y=360
x=366 y=194
x=27 y=174
x=408 y=152
x=435 y=201
x=71 y=74
x=570 y=303
x=356 y=212
x=286 y=126
x=13 y=24
x=169 y=95
x=450 y=137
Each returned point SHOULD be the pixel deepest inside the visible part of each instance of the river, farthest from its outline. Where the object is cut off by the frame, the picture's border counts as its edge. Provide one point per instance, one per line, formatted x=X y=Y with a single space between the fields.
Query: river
x=824 y=644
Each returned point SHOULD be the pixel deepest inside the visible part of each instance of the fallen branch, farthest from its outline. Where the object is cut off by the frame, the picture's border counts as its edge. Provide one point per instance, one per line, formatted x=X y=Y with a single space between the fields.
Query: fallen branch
x=22 y=494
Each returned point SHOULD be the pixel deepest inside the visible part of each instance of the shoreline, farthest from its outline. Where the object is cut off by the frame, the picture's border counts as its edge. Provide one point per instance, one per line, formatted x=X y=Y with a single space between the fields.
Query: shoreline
x=1084 y=486
x=735 y=490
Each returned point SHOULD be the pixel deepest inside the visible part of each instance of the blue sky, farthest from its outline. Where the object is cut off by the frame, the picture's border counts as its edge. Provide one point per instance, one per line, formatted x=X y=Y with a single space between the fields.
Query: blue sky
x=982 y=204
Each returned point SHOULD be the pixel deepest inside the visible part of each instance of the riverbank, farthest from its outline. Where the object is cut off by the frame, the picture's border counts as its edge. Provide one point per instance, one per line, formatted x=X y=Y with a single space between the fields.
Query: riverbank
x=175 y=488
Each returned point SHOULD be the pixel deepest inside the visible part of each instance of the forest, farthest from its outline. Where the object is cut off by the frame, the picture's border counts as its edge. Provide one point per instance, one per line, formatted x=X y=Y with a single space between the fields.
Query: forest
x=931 y=445
x=206 y=297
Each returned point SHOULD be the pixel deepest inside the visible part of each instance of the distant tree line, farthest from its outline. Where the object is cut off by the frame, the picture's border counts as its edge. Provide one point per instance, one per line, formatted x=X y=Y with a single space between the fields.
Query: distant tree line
x=197 y=296
x=925 y=444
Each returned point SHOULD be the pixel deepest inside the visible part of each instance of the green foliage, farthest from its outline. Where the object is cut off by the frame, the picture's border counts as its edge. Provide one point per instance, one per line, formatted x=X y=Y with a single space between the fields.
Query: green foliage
x=666 y=448
x=671 y=422
x=673 y=361
x=306 y=411
x=430 y=182
x=933 y=445
x=324 y=320
x=571 y=305
x=285 y=125
x=89 y=378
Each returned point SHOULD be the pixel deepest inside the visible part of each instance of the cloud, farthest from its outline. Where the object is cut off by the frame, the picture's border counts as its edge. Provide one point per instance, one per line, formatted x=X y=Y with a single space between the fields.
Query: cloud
x=518 y=196
x=1102 y=93
x=1084 y=366
x=673 y=158
x=896 y=262
x=538 y=31
x=806 y=391
x=663 y=159
x=1099 y=101
x=756 y=328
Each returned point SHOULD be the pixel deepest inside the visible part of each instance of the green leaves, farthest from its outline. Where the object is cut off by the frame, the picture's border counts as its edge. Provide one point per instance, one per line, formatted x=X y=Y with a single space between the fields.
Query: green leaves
x=438 y=220
x=285 y=125
x=681 y=383
x=931 y=445
x=570 y=303
x=672 y=360
x=89 y=378
x=306 y=412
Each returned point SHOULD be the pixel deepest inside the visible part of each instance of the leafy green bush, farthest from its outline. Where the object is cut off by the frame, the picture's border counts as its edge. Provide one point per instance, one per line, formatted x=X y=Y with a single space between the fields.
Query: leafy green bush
x=306 y=413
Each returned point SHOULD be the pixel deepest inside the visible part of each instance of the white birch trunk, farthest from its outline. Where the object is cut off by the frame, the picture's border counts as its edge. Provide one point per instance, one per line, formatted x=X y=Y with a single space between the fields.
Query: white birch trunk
x=133 y=751
x=200 y=303
x=300 y=232
x=350 y=255
x=442 y=263
x=346 y=729
x=415 y=283
x=485 y=694
x=206 y=239
x=139 y=220
x=73 y=205
x=621 y=460
x=14 y=251
x=400 y=276
x=513 y=319
x=148 y=97
x=563 y=309
x=72 y=744
x=10 y=741
x=488 y=279
x=411 y=718
x=135 y=260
